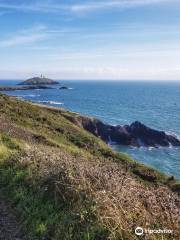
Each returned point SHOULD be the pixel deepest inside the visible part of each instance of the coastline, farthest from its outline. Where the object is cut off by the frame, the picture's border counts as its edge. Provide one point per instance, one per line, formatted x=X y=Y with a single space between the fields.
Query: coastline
x=67 y=171
x=101 y=130
x=75 y=118
x=78 y=102
x=24 y=88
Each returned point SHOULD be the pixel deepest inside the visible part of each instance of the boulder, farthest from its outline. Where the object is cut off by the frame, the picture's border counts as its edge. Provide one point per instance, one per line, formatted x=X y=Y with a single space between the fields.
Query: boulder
x=63 y=88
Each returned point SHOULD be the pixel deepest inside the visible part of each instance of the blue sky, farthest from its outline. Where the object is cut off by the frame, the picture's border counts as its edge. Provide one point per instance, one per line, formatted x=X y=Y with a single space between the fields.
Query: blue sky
x=67 y=39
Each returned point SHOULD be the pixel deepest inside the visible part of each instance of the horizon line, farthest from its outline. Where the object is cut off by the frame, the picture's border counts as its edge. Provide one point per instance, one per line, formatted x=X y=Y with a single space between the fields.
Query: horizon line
x=113 y=80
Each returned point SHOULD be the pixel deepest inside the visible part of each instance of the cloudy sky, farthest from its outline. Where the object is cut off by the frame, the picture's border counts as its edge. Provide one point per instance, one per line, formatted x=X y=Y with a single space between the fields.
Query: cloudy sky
x=102 y=39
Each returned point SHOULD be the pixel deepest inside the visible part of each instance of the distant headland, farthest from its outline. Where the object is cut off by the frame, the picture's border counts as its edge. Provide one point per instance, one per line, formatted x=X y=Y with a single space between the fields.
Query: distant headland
x=24 y=87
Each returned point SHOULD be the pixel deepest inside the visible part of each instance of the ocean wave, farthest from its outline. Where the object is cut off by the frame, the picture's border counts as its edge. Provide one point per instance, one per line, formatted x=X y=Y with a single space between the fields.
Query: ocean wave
x=151 y=148
x=56 y=103
x=20 y=98
x=173 y=134
x=28 y=95
x=51 y=102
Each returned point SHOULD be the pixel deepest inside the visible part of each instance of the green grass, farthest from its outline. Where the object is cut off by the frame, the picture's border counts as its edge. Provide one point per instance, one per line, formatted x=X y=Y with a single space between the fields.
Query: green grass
x=4 y=152
x=7 y=146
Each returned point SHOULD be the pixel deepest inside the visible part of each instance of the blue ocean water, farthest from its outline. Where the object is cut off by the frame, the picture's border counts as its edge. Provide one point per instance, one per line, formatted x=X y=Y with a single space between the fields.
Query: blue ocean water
x=156 y=104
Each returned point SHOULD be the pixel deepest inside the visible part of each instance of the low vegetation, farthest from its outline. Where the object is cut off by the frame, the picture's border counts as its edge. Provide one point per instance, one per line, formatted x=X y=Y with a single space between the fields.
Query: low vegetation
x=67 y=184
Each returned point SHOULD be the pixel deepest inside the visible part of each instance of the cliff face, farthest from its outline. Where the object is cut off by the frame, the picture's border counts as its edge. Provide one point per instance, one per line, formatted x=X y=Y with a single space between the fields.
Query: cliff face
x=66 y=183
x=136 y=134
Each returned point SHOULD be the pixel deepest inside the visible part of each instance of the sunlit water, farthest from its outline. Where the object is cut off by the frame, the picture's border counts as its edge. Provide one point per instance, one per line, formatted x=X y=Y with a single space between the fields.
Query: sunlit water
x=155 y=104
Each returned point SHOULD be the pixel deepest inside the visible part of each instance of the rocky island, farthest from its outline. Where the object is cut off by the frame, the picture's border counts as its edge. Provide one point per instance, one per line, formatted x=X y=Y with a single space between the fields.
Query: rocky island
x=31 y=84
x=42 y=80
x=63 y=182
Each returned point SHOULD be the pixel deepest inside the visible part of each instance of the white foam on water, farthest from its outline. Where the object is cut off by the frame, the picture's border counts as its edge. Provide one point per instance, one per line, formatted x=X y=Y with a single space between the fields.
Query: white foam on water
x=173 y=134
x=151 y=148
x=51 y=102
x=28 y=95
x=56 y=103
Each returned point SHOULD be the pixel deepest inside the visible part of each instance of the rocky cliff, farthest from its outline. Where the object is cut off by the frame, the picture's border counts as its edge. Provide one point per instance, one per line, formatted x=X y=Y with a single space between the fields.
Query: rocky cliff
x=136 y=134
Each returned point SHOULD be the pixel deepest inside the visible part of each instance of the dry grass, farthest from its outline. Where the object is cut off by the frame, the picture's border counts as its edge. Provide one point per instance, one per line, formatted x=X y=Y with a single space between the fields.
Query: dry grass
x=119 y=202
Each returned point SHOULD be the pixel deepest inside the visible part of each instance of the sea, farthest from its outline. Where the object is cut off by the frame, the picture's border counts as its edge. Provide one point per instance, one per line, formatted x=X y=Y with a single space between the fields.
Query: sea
x=155 y=104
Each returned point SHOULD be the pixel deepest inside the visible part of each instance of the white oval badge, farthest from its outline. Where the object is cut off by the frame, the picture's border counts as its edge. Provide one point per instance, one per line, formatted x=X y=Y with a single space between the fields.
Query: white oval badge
x=139 y=231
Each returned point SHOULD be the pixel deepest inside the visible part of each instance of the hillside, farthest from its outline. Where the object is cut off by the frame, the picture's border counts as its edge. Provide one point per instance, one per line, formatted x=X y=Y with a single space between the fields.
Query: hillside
x=39 y=81
x=65 y=183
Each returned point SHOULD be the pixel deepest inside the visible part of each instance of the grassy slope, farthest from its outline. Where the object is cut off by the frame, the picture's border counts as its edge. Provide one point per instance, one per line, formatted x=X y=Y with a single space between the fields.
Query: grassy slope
x=67 y=184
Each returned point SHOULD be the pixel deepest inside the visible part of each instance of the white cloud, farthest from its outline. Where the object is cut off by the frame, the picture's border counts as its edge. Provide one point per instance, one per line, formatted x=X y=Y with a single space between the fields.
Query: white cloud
x=36 y=34
x=97 y=73
x=52 y=7
x=25 y=36
x=35 y=7
x=114 y=4
x=89 y=53
x=141 y=64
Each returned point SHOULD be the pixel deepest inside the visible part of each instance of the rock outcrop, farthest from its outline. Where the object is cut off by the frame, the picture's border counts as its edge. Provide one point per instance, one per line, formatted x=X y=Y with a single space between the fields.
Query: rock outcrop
x=136 y=134
x=63 y=88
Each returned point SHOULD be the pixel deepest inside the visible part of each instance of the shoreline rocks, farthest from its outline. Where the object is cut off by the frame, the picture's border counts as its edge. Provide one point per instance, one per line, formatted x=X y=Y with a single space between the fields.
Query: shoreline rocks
x=136 y=134
x=64 y=88
x=15 y=88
